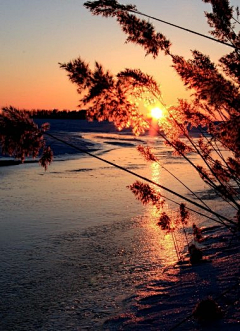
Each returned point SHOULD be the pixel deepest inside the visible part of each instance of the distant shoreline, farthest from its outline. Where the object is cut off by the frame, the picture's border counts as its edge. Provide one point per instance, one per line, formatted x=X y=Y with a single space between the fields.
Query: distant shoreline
x=6 y=163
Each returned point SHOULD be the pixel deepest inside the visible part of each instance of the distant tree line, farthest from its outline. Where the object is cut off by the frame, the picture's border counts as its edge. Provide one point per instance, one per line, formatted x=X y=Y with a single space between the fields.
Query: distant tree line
x=56 y=114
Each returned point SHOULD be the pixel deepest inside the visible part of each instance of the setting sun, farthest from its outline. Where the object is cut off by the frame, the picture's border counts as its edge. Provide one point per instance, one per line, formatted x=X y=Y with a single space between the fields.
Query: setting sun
x=156 y=113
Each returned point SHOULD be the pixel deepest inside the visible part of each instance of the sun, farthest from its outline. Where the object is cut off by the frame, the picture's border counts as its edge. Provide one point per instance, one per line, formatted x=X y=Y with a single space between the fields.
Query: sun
x=156 y=113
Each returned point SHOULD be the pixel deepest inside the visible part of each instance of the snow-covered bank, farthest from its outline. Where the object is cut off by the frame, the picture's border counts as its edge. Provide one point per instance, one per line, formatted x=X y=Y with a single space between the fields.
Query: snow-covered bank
x=168 y=303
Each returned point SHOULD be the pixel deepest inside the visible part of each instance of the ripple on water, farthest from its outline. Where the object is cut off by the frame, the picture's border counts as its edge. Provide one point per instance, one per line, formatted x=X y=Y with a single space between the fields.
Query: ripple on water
x=75 y=280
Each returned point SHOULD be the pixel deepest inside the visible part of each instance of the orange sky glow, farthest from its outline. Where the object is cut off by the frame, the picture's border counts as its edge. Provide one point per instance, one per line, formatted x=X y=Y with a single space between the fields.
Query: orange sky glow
x=36 y=35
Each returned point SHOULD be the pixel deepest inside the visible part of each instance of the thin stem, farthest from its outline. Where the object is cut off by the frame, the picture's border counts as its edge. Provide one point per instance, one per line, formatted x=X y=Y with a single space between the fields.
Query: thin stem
x=187 y=30
x=185 y=233
x=149 y=181
x=209 y=181
x=175 y=246
x=204 y=160
x=193 y=193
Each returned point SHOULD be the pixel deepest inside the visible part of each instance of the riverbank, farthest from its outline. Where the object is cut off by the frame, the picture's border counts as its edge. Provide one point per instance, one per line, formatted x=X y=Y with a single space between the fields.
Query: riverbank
x=6 y=163
x=168 y=303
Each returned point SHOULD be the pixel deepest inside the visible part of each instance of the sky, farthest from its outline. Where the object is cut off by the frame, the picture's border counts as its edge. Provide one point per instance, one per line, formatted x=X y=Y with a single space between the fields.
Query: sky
x=35 y=35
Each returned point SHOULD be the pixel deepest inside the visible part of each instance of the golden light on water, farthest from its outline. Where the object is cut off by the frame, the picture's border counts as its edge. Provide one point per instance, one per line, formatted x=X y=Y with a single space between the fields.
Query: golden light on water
x=162 y=243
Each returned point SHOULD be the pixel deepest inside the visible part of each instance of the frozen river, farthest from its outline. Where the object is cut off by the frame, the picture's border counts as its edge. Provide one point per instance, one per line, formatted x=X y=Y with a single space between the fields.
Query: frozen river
x=75 y=244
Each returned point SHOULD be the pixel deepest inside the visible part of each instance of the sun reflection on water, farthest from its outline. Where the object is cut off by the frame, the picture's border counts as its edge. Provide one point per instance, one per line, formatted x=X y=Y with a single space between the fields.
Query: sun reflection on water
x=162 y=245
x=155 y=172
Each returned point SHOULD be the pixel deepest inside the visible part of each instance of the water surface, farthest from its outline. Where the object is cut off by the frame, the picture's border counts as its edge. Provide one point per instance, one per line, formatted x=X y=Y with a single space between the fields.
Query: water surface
x=75 y=244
